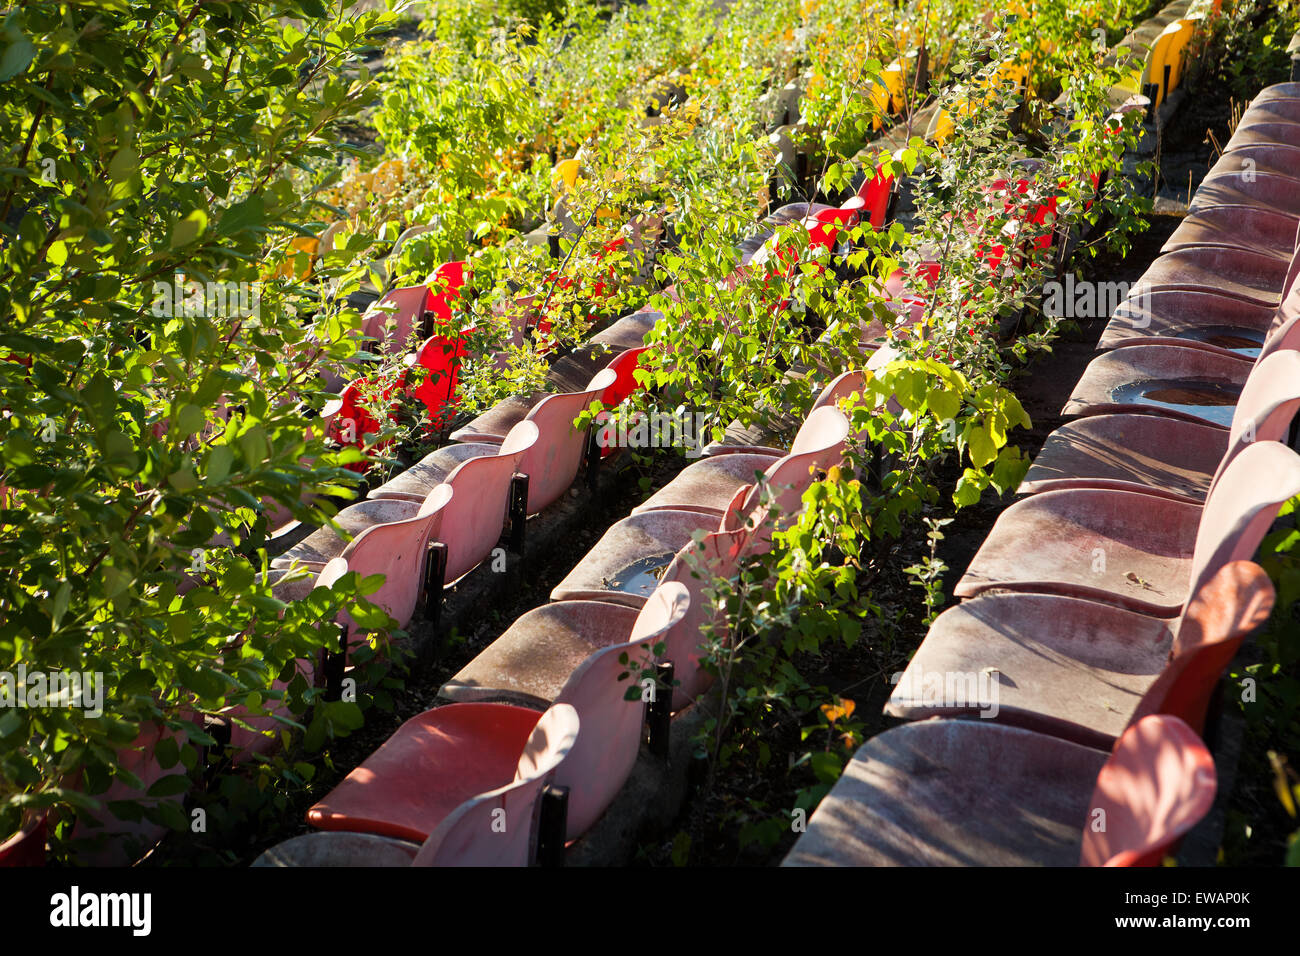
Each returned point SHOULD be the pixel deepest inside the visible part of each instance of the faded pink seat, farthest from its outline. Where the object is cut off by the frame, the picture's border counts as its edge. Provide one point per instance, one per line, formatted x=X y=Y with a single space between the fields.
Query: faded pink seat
x=1276 y=193
x=708 y=486
x=623 y=564
x=976 y=793
x=1176 y=382
x=474 y=519
x=841 y=387
x=1258 y=231
x=1161 y=456
x=467 y=835
x=1260 y=132
x=393 y=319
x=551 y=464
x=1273 y=159
x=1134 y=550
x=403 y=527
x=531 y=661
x=435 y=761
x=1077 y=669
x=1235 y=273
x=1201 y=320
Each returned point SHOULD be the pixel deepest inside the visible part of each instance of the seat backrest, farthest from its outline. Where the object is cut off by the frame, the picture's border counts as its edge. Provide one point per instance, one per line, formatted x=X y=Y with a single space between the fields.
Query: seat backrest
x=1242 y=505
x=552 y=463
x=623 y=365
x=436 y=373
x=696 y=566
x=875 y=193
x=607 y=748
x=1282 y=332
x=444 y=289
x=1158 y=782
x=396 y=550
x=392 y=319
x=472 y=525
x=842 y=386
x=326 y=244
x=1267 y=405
x=1217 y=619
x=499 y=828
x=818 y=445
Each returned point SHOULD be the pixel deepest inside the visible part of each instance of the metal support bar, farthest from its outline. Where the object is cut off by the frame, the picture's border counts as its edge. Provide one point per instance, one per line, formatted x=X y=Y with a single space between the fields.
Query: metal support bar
x=552 y=826
x=661 y=709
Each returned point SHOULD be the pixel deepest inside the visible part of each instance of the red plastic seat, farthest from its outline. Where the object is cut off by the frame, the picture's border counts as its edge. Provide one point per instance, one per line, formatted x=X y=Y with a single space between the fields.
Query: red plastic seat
x=408 y=786
x=435 y=762
x=1080 y=670
x=1162 y=456
x=497 y=828
x=976 y=793
x=1134 y=550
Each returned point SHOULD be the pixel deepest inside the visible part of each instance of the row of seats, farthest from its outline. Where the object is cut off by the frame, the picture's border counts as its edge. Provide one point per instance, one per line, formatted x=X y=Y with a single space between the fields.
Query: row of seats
x=1103 y=609
x=528 y=440
x=717 y=513
x=397 y=531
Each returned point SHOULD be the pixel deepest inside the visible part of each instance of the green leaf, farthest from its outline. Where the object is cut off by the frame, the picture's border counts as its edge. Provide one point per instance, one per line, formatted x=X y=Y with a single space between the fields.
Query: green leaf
x=16 y=58
x=189 y=229
x=980 y=446
x=171 y=785
x=219 y=460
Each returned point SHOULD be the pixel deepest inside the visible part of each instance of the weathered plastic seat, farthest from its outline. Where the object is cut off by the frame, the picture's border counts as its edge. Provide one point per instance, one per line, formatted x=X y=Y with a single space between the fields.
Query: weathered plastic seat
x=1175 y=382
x=407 y=786
x=1272 y=159
x=497 y=828
x=406 y=526
x=395 y=316
x=551 y=463
x=621 y=567
x=1276 y=193
x=1188 y=384
x=1080 y=670
x=1201 y=320
x=976 y=793
x=1235 y=273
x=707 y=486
x=1129 y=549
x=443 y=757
x=1277 y=91
x=1260 y=231
x=839 y=388
x=1166 y=457
x=1261 y=133
x=530 y=662
x=474 y=520
x=1277 y=110
x=492 y=425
